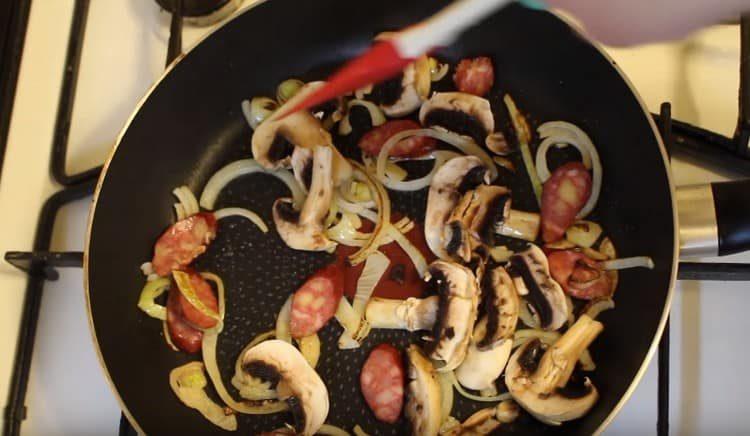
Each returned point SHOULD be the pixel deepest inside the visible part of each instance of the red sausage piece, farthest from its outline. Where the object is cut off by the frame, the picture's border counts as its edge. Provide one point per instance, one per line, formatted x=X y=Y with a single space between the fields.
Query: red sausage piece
x=204 y=292
x=185 y=337
x=316 y=301
x=182 y=242
x=372 y=141
x=563 y=196
x=382 y=382
x=475 y=76
x=579 y=276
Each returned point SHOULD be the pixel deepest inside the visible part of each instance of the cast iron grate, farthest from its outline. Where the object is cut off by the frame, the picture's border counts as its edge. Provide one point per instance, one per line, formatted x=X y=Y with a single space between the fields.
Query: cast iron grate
x=682 y=139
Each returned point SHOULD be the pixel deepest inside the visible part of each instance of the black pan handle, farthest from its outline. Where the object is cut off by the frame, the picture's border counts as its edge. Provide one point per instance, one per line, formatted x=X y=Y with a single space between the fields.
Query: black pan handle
x=714 y=219
x=742 y=134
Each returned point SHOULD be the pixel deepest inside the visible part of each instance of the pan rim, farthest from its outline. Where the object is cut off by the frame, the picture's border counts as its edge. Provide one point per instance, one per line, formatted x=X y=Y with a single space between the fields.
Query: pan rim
x=246 y=9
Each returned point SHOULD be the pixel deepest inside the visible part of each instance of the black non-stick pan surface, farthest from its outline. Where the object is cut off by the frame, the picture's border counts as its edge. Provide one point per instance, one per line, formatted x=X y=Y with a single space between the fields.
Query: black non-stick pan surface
x=190 y=125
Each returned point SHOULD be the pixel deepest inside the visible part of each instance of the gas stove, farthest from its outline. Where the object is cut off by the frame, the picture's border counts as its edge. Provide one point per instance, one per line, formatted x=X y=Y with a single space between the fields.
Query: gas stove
x=84 y=67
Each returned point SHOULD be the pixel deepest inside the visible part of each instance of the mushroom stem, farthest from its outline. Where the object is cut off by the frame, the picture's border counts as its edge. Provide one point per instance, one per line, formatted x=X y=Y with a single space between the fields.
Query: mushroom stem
x=521 y=225
x=411 y=314
x=559 y=361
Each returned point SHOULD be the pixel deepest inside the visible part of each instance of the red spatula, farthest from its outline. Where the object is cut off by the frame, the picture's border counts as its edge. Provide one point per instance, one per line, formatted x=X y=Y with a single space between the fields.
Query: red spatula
x=389 y=57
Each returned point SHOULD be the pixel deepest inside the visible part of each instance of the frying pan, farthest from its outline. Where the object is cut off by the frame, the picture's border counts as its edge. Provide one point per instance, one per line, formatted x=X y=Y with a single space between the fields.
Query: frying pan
x=190 y=125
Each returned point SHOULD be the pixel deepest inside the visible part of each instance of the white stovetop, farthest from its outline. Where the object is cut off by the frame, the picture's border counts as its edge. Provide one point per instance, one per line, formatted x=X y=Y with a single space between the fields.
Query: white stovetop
x=123 y=54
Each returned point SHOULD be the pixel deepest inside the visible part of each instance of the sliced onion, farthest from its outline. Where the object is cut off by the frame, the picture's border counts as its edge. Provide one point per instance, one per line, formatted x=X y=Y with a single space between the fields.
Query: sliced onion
x=288 y=89
x=309 y=346
x=184 y=285
x=384 y=214
x=188 y=383
x=168 y=337
x=356 y=328
x=541 y=155
x=221 y=178
x=187 y=199
x=258 y=110
x=282 y=321
x=466 y=394
x=147 y=268
x=375 y=266
x=585 y=146
x=628 y=262
x=440 y=156
x=357 y=208
x=238 y=211
x=361 y=92
x=595 y=307
x=179 y=211
x=446 y=394
x=521 y=126
x=377 y=117
x=208 y=347
x=463 y=143
x=331 y=430
x=411 y=250
x=151 y=291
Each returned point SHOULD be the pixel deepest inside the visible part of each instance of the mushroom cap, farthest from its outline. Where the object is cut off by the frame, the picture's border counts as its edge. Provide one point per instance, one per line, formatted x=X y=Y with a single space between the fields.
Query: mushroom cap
x=531 y=276
x=302 y=159
x=457 y=311
x=450 y=183
x=481 y=368
x=304 y=230
x=297 y=382
x=423 y=405
x=472 y=222
x=275 y=139
x=459 y=112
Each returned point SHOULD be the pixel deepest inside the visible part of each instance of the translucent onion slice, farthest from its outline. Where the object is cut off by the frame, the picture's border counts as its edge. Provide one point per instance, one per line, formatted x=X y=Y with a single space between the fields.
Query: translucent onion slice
x=151 y=291
x=628 y=262
x=182 y=280
x=187 y=199
x=596 y=307
x=283 y=331
x=377 y=117
x=358 y=431
x=446 y=394
x=420 y=263
x=179 y=211
x=309 y=346
x=383 y=203
x=188 y=383
x=248 y=214
x=466 y=394
x=437 y=70
x=523 y=133
x=522 y=336
x=463 y=143
x=440 y=157
x=362 y=209
x=258 y=110
x=375 y=266
x=221 y=178
x=578 y=138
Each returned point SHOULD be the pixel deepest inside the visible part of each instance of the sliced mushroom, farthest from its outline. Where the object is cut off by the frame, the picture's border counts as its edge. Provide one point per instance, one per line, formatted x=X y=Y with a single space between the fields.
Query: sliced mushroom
x=481 y=368
x=302 y=166
x=530 y=272
x=295 y=380
x=275 y=139
x=520 y=225
x=411 y=314
x=471 y=224
x=540 y=380
x=501 y=305
x=423 y=404
x=456 y=177
x=404 y=93
x=303 y=230
x=457 y=311
x=459 y=112
x=485 y=421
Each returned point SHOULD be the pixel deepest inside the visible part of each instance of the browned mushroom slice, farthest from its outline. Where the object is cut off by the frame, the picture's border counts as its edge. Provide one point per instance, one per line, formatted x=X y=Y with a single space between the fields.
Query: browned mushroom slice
x=459 y=112
x=530 y=272
x=423 y=404
x=540 y=379
x=295 y=380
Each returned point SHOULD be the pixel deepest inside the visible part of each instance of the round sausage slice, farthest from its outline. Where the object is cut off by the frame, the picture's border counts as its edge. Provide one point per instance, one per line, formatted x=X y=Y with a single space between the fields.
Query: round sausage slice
x=382 y=382
x=475 y=76
x=579 y=276
x=184 y=336
x=182 y=242
x=316 y=301
x=564 y=194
